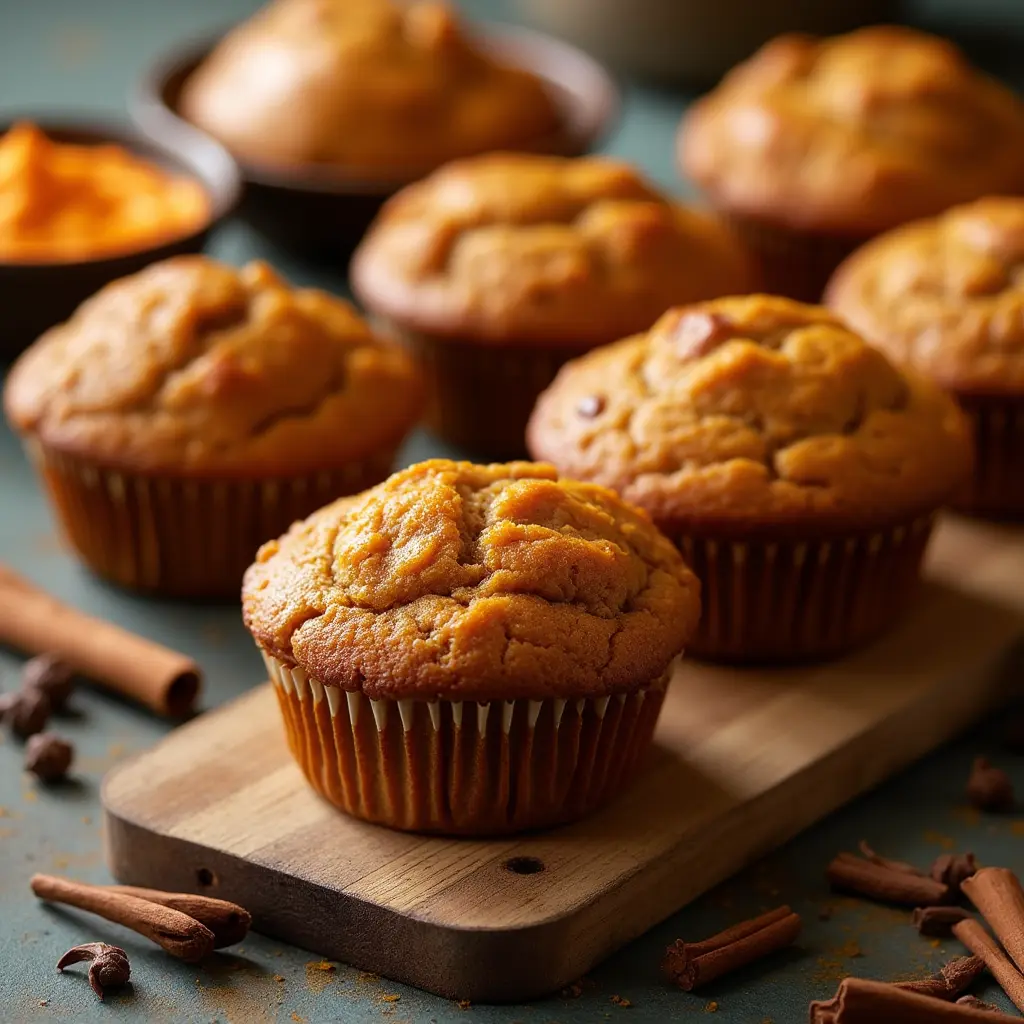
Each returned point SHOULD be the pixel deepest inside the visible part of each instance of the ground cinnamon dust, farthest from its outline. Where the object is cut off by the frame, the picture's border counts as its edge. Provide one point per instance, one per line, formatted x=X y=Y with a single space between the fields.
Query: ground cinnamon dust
x=61 y=202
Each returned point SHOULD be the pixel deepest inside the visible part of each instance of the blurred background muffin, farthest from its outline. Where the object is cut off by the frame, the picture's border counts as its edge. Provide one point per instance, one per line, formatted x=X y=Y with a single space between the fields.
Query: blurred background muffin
x=814 y=145
x=186 y=414
x=373 y=89
x=797 y=468
x=471 y=649
x=498 y=269
x=946 y=297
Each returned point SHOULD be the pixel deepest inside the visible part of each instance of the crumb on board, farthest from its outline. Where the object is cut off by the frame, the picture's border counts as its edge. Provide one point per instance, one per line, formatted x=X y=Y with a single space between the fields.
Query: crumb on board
x=391 y=997
x=463 y=1004
x=320 y=965
x=620 y=1001
x=711 y=1007
x=279 y=978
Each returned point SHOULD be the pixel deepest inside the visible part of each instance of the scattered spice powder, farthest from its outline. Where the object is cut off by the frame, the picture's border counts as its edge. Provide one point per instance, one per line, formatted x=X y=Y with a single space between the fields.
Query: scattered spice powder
x=463 y=1004
x=391 y=997
x=619 y=1001
x=711 y=1007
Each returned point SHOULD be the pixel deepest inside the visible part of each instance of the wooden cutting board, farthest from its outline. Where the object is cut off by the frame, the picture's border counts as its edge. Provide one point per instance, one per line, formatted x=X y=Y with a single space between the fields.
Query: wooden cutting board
x=743 y=761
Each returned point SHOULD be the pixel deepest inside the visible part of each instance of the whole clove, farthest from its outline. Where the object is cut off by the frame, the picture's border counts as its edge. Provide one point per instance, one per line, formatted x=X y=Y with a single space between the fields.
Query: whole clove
x=109 y=967
x=28 y=713
x=938 y=921
x=54 y=677
x=48 y=756
x=989 y=788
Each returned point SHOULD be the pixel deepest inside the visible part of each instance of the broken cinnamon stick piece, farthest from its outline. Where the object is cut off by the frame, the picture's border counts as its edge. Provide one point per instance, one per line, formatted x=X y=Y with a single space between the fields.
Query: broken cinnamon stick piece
x=997 y=894
x=977 y=1004
x=982 y=945
x=859 y=1001
x=955 y=978
x=952 y=869
x=938 y=921
x=692 y=964
x=866 y=878
x=34 y=621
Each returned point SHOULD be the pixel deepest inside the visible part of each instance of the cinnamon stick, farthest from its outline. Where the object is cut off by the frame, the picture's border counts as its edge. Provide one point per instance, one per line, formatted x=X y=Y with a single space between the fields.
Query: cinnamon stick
x=997 y=894
x=692 y=964
x=886 y=862
x=177 y=933
x=860 y=1001
x=982 y=945
x=877 y=881
x=34 y=621
x=938 y=921
x=955 y=978
x=228 y=921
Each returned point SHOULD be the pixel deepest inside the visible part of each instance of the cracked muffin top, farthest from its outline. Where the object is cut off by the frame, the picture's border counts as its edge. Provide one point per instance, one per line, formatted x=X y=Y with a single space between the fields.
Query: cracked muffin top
x=514 y=247
x=945 y=296
x=754 y=412
x=196 y=367
x=370 y=87
x=457 y=581
x=854 y=134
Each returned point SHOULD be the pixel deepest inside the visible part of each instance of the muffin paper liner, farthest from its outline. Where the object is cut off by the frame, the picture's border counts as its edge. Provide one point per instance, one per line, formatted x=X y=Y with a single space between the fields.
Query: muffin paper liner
x=802 y=600
x=463 y=767
x=182 y=537
x=793 y=264
x=480 y=394
x=997 y=489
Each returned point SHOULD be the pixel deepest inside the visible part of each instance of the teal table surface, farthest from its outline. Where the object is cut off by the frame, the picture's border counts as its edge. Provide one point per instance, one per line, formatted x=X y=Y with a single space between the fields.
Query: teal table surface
x=72 y=56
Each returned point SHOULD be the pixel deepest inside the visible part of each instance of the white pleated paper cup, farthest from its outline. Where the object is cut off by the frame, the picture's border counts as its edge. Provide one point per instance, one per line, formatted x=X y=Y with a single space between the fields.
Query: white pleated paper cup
x=464 y=767
x=183 y=537
x=802 y=600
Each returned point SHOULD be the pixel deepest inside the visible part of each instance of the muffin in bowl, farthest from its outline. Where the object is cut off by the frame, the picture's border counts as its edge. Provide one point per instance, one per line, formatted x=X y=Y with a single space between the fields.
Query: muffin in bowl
x=189 y=412
x=945 y=296
x=372 y=89
x=470 y=649
x=812 y=146
x=796 y=467
x=496 y=270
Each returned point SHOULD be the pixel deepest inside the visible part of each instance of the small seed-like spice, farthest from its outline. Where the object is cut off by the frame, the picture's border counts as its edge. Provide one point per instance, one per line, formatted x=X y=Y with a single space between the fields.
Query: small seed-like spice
x=29 y=713
x=109 y=965
x=953 y=869
x=51 y=675
x=938 y=921
x=989 y=788
x=48 y=756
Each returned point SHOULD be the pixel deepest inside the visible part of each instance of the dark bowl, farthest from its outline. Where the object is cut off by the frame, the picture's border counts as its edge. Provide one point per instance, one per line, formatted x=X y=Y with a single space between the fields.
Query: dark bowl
x=35 y=296
x=321 y=212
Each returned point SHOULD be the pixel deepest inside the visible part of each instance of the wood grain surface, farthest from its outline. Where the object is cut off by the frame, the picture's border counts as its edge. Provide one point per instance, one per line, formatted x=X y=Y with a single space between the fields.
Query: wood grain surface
x=743 y=760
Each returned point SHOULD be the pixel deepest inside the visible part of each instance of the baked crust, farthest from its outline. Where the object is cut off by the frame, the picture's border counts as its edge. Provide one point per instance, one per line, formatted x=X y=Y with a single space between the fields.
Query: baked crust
x=196 y=368
x=854 y=134
x=945 y=296
x=754 y=415
x=514 y=247
x=369 y=87
x=464 y=582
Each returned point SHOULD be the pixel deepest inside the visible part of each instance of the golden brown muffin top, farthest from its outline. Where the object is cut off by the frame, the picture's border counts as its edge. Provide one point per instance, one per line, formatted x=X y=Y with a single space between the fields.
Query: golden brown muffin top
x=196 y=367
x=514 y=247
x=854 y=134
x=469 y=582
x=378 y=89
x=945 y=296
x=754 y=412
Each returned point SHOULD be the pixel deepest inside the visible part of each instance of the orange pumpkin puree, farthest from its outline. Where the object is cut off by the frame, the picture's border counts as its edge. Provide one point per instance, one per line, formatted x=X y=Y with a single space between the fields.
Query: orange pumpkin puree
x=61 y=202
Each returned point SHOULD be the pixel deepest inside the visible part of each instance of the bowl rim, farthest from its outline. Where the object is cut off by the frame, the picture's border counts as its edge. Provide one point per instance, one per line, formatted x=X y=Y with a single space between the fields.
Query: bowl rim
x=203 y=159
x=593 y=108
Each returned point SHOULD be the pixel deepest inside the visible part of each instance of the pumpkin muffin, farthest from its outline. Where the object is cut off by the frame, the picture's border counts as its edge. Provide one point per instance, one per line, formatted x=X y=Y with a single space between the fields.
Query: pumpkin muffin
x=812 y=146
x=497 y=270
x=188 y=413
x=945 y=296
x=369 y=88
x=798 y=470
x=470 y=649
